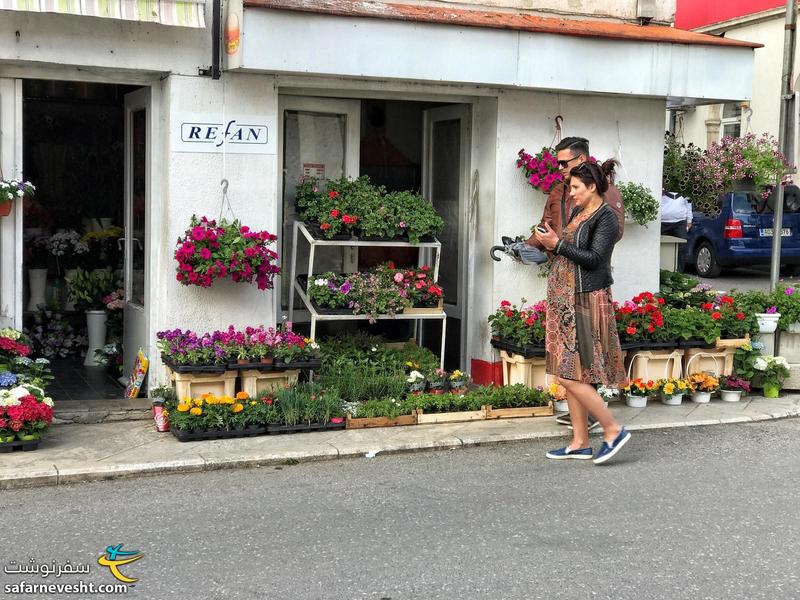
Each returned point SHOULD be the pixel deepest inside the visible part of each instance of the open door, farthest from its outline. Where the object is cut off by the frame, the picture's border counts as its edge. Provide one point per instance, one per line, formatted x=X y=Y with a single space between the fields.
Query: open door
x=445 y=182
x=138 y=141
x=11 y=253
x=319 y=138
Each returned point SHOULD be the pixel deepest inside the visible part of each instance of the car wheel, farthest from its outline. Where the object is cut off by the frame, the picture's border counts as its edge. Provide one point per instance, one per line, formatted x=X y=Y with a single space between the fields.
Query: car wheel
x=705 y=262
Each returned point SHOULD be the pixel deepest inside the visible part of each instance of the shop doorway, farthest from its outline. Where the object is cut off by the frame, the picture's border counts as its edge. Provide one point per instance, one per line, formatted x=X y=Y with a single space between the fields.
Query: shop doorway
x=401 y=145
x=85 y=147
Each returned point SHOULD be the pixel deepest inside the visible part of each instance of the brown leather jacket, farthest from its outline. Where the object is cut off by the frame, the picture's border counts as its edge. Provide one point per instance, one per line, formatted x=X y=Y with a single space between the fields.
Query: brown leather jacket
x=559 y=205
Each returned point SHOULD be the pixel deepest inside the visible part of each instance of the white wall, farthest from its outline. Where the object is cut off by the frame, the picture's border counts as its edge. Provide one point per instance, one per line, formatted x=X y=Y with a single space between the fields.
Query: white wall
x=525 y=120
x=191 y=185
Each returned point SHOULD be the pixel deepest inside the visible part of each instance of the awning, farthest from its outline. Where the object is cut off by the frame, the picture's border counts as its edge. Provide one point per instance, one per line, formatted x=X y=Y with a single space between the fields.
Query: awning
x=182 y=13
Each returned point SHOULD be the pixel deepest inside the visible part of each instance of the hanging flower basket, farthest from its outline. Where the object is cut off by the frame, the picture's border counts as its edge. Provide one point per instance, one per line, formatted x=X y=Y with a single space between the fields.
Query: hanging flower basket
x=209 y=251
x=12 y=190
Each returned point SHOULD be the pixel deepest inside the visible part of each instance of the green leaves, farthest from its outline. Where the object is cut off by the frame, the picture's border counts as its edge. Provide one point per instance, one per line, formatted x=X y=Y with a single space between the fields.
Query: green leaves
x=87 y=288
x=640 y=204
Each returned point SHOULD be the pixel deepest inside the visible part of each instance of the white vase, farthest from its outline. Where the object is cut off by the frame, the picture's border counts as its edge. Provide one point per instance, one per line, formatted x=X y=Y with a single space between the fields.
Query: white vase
x=69 y=305
x=701 y=397
x=635 y=401
x=673 y=400
x=96 y=326
x=38 y=284
x=767 y=322
x=730 y=395
x=560 y=406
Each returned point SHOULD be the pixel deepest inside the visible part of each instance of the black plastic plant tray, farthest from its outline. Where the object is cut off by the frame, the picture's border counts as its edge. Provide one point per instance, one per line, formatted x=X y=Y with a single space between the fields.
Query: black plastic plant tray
x=529 y=351
x=216 y=434
x=257 y=366
x=695 y=344
x=208 y=369
x=300 y=364
x=19 y=445
x=303 y=428
x=316 y=232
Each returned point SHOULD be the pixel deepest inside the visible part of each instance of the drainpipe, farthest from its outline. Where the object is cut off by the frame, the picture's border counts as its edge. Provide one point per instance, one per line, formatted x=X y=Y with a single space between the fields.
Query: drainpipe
x=216 y=17
x=783 y=137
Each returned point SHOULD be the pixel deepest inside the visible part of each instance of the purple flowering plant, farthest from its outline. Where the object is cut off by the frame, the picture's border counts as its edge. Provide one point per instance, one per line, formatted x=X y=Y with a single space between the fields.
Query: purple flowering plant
x=329 y=290
x=732 y=383
x=541 y=170
x=189 y=348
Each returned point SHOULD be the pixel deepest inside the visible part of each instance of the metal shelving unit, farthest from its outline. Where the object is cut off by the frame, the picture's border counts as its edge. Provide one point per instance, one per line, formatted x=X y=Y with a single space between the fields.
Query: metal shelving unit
x=301 y=231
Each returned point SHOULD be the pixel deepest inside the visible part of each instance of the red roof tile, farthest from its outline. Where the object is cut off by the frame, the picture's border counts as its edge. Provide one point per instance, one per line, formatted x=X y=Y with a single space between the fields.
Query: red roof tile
x=500 y=20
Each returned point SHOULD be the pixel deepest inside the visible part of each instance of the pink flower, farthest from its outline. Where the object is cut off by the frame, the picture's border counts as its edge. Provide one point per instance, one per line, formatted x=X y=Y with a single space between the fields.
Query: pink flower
x=398 y=277
x=198 y=233
x=205 y=253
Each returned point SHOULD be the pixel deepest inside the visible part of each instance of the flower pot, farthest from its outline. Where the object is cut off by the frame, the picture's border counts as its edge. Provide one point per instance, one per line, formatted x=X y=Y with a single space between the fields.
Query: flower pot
x=767 y=322
x=69 y=305
x=266 y=360
x=701 y=397
x=5 y=208
x=96 y=326
x=730 y=395
x=436 y=391
x=38 y=284
x=771 y=391
x=242 y=361
x=635 y=401
x=458 y=391
x=672 y=400
x=560 y=406
x=28 y=437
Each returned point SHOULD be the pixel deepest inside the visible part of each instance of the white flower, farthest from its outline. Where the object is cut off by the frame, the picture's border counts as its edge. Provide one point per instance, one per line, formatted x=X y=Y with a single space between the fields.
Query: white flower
x=19 y=392
x=10 y=196
x=320 y=281
x=20 y=193
x=415 y=376
x=760 y=363
x=10 y=333
x=48 y=400
x=374 y=349
x=8 y=399
x=780 y=360
x=314 y=346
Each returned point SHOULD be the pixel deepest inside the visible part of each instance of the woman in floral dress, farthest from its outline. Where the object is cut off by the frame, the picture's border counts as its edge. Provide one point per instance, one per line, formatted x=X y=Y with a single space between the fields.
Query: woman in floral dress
x=581 y=341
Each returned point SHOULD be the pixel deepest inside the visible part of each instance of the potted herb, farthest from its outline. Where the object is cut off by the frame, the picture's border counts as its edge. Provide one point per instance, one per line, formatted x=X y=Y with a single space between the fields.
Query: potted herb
x=771 y=371
x=732 y=387
x=702 y=385
x=640 y=204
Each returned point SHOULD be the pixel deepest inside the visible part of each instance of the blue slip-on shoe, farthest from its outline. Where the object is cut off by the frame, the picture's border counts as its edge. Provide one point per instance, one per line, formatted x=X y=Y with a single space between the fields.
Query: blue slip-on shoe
x=607 y=452
x=565 y=452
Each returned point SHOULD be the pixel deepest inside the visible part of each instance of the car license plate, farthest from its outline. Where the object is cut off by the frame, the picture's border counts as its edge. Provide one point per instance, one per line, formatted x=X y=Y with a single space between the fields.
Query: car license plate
x=785 y=232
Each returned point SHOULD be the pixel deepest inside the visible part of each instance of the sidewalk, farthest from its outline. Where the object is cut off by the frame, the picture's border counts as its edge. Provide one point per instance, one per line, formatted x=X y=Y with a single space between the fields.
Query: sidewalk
x=78 y=453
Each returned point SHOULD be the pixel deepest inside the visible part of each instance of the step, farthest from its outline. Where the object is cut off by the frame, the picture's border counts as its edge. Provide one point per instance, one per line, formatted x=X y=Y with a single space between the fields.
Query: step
x=101 y=411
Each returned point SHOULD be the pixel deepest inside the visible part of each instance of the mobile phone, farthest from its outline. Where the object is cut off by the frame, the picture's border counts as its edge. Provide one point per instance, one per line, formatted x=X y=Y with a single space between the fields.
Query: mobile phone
x=541 y=229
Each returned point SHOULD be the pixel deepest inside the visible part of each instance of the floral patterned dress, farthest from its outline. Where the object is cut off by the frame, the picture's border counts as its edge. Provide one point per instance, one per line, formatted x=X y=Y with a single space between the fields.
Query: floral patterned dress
x=581 y=332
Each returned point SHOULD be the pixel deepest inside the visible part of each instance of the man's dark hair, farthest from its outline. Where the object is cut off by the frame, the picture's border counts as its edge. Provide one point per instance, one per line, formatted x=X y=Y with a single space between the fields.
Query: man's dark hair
x=578 y=145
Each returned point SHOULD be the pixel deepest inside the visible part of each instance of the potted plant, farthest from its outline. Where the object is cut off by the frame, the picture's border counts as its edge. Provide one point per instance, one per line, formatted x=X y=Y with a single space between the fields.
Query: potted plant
x=12 y=190
x=328 y=291
x=771 y=373
x=735 y=326
x=26 y=412
x=263 y=342
x=209 y=251
x=640 y=204
x=690 y=326
x=540 y=170
x=13 y=344
x=672 y=390
x=437 y=381
x=37 y=263
x=87 y=290
x=637 y=392
x=768 y=320
x=458 y=382
x=522 y=327
x=702 y=385
x=559 y=395
x=416 y=382
x=732 y=387
x=607 y=393
x=640 y=320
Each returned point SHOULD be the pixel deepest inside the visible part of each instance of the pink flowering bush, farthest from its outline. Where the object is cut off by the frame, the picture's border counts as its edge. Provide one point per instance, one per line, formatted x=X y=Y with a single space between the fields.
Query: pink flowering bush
x=210 y=251
x=541 y=171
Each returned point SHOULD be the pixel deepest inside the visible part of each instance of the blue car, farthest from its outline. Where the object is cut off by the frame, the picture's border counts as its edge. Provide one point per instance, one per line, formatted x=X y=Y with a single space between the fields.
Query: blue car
x=741 y=235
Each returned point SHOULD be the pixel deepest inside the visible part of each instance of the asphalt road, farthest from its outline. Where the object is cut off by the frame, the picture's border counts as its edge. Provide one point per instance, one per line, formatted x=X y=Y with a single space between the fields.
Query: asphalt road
x=751 y=278
x=700 y=513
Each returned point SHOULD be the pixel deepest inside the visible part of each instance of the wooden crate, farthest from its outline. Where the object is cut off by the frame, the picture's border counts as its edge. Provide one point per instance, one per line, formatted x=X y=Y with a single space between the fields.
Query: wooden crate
x=654 y=364
x=733 y=343
x=719 y=362
x=527 y=371
x=514 y=413
x=429 y=310
x=190 y=385
x=255 y=382
x=364 y=423
x=450 y=417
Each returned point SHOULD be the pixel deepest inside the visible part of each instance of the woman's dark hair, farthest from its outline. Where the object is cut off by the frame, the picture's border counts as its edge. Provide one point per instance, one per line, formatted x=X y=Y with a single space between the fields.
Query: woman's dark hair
x=599 y=174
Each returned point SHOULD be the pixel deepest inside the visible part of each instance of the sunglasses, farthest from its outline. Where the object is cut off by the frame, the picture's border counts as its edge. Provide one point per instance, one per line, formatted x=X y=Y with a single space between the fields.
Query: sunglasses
x=565 y=163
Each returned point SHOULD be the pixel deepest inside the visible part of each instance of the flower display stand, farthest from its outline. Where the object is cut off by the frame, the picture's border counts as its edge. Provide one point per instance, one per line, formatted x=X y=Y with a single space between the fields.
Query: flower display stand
x=255 y=382
x=190 y=385
x=732 y=342
x=699 y=360
x=368 y=422
x=528 y=371
x=654 y=364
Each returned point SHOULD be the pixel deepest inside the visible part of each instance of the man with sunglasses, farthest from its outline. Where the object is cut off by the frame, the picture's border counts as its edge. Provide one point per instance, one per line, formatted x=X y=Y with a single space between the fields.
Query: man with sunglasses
x=570 y=152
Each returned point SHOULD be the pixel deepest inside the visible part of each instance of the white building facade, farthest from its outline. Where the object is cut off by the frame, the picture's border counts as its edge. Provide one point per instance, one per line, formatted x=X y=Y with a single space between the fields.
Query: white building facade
x=474 y=85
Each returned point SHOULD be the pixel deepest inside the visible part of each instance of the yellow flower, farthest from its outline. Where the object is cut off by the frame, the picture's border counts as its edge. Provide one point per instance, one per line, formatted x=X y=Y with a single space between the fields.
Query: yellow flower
x=681 y=384
x=252 y=403
x=456 y=375
x=196 y=411
x=183 y=407
x=227 y=400
x=669 y=389
x=197 y=402
x=242 y=395
x=237 y=408
x=187 y=400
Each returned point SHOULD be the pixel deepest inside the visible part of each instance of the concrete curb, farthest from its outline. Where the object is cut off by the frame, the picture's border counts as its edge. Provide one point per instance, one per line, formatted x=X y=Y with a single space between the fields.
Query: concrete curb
x=96 y=471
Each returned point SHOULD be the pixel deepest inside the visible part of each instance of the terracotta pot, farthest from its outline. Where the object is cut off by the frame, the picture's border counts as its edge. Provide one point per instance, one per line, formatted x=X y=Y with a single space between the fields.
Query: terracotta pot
x=242 y=361
x=266 y=360
x=5 y=208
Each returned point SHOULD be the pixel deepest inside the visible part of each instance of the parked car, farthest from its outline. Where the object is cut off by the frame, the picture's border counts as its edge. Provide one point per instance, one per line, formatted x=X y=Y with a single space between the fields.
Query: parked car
x=741 y=235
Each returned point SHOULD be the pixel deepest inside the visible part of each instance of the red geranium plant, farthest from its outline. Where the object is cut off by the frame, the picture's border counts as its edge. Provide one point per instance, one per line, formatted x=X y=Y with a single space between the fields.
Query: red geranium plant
x=524 y=325
x=640 y=318
x=417 y=285
x=733 y=322
x=210 y=251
